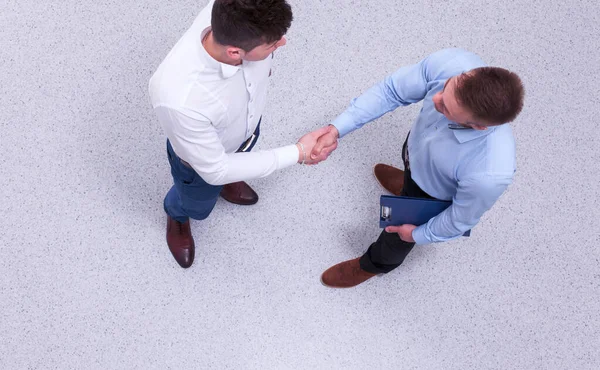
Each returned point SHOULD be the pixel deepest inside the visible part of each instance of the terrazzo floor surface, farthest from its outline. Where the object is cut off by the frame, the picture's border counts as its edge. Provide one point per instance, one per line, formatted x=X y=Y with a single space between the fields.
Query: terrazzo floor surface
x=87 y=281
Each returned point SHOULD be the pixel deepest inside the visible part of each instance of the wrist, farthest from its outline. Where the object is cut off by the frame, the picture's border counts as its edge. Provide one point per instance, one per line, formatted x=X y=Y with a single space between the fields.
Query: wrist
x=301 y=153
x=334 y=131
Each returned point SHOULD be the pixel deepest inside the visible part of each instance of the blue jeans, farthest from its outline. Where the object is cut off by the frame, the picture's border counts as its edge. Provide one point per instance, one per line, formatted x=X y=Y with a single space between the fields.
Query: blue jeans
x=190 y=195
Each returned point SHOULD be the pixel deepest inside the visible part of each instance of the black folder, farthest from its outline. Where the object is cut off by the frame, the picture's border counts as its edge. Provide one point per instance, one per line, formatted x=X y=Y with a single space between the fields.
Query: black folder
x=402 y=210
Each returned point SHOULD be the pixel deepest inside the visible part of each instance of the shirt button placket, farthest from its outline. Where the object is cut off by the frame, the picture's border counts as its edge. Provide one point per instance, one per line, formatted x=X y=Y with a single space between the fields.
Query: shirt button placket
x=250 y=110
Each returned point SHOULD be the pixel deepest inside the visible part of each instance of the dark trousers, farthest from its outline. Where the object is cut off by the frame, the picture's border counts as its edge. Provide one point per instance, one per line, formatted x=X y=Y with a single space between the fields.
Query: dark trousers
x=190 y=195
x=389 y=251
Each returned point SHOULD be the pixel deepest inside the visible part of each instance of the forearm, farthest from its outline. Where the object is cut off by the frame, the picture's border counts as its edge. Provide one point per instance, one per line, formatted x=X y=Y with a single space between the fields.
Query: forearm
x=369 y=106
x=426 y=234
x=405 y=86
x=247 y=166
x=474 y=197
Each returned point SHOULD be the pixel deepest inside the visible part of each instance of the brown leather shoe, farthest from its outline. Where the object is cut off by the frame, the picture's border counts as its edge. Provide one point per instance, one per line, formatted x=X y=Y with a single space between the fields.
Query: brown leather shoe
x=239 y=193
x=391 y=178
x=345 y=275
x=181 y=242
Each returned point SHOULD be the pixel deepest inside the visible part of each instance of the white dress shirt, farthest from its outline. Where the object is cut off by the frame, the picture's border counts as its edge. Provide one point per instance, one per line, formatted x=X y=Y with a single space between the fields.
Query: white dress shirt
x=208 y=109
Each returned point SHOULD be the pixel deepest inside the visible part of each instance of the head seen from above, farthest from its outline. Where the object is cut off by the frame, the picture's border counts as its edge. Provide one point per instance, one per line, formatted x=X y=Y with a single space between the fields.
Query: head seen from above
x=482 y=97
x=250 y=29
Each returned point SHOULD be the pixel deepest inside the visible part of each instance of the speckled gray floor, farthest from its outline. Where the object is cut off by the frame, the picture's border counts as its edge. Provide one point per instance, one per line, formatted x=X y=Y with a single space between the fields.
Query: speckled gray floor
x=87 y=281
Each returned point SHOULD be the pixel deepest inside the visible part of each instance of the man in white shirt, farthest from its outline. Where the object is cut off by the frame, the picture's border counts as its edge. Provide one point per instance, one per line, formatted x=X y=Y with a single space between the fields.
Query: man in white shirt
x=209 y=94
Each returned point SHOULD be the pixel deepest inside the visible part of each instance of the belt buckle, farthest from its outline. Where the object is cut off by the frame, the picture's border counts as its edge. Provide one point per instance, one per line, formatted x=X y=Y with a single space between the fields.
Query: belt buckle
x=248 y=143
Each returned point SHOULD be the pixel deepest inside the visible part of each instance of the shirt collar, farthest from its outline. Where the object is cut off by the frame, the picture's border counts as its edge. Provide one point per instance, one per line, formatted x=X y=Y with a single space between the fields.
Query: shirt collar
x=462 y=135
x=470 y=134
x=227 y=70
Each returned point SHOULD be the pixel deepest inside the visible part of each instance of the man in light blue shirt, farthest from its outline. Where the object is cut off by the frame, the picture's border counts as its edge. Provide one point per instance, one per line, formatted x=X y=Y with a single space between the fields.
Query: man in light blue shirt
x=460 y=148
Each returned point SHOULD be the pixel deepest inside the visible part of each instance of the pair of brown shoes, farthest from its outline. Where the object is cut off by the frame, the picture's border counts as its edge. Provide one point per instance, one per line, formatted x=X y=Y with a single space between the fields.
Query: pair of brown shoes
x=343 y=275
x=348 y=274
x=179 y=235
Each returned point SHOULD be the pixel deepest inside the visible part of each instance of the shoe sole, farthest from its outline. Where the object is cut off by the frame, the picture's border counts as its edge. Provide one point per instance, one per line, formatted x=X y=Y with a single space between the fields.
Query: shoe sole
x=343 y=287
x=239 y=204
x=334 y=287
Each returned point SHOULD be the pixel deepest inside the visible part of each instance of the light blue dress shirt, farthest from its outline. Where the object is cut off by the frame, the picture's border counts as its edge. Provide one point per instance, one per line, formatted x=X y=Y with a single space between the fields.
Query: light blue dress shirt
x=470 y=167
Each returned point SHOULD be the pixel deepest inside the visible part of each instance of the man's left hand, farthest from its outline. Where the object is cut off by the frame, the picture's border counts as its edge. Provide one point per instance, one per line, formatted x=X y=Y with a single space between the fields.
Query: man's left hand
x=404 y=231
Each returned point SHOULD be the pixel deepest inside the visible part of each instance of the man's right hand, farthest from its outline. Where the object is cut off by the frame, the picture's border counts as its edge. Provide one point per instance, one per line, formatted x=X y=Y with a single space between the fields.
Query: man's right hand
x=309 y=141
x=327 y=142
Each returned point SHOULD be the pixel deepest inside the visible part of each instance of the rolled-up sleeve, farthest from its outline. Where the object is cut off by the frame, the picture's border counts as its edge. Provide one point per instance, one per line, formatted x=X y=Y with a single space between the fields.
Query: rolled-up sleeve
x=196 y=141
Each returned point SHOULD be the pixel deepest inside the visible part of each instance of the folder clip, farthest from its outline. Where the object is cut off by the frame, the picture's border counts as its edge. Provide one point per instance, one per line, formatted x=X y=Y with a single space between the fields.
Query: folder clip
x=386 y=213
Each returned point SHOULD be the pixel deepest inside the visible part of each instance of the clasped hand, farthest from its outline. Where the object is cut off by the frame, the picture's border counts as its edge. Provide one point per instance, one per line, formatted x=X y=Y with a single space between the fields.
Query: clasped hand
x=318 y=145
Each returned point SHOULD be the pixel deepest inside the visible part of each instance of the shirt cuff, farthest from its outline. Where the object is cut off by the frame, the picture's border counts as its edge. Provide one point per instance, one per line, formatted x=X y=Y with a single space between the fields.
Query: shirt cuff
x=418 y=235
x=344 y=123
x=286 y=156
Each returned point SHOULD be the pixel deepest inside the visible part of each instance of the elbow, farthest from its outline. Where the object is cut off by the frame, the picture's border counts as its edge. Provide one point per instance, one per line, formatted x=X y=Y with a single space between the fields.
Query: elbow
x=215 y=174
x=218 y=172
x=214 y=179
x=217 y=177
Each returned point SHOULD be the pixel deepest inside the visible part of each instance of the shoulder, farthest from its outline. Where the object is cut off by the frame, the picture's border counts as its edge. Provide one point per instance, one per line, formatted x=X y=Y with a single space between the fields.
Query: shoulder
x=191 y=96
x=182 y=66
x=501 y=150
x=446 y=63
x=183 y=79
x=489 y=158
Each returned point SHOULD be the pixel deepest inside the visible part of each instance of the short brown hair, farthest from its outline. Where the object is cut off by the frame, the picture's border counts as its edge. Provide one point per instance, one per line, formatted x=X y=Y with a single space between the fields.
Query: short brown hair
x=247 y=24
x=493 y=95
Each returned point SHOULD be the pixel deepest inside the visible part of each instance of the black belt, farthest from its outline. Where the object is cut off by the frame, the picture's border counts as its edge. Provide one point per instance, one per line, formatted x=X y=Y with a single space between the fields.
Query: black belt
x=405 y=156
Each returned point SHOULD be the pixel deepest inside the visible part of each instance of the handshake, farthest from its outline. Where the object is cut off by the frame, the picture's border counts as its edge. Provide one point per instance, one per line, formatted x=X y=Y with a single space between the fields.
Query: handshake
x=316 y=146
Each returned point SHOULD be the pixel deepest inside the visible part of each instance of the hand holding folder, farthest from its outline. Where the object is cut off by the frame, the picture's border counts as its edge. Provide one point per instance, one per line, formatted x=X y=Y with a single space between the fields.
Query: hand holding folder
x=400 y=210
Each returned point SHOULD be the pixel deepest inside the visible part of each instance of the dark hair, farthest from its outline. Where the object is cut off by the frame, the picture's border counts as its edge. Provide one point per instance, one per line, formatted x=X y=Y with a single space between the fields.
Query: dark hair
x=248 y=23
x=493 y=95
